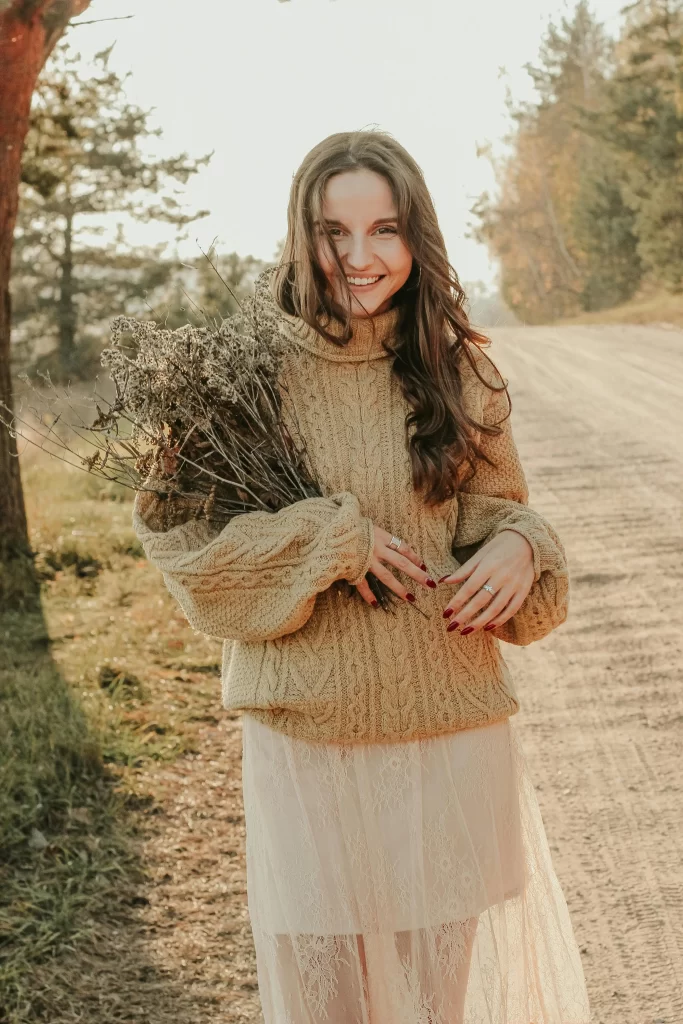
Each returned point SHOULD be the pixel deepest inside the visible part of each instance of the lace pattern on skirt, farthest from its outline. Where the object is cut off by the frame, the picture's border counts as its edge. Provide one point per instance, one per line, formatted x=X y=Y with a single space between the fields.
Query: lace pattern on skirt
x=406 y=883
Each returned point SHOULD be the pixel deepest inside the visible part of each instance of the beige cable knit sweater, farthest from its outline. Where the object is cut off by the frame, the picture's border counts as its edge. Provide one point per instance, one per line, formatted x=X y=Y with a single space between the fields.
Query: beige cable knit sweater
x=299 y=655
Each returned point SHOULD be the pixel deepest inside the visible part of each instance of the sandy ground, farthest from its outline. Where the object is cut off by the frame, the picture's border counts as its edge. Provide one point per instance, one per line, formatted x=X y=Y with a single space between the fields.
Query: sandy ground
x=598 y=414
x=599 y=420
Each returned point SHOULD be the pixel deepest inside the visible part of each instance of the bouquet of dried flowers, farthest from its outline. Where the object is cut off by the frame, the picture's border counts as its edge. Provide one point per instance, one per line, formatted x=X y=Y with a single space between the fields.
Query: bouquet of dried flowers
x=196 y=418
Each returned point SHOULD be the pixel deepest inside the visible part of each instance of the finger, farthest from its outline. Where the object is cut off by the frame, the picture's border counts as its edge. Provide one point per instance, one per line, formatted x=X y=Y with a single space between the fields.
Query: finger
x=405 y=550
x=511 y=609
x=399 y=561
x=386 y=576
x=465 y=570
x=366 y=593
x=464 y=616
x=493 y=609
x=471 y=588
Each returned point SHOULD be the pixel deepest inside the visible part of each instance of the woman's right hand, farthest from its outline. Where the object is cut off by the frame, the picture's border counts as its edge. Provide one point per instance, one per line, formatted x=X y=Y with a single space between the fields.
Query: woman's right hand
x=404 y=559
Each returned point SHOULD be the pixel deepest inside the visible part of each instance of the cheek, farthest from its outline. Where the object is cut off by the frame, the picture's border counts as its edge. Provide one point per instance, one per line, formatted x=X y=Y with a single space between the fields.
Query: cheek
x=400 y=261
x=325 y=259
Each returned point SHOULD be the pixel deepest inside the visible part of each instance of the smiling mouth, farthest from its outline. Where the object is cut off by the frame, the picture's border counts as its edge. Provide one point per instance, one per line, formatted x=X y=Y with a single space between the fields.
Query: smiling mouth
x=364 y=282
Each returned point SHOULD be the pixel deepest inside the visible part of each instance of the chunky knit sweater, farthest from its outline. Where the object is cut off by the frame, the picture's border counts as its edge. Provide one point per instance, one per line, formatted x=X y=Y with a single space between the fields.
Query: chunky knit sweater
x=301 y=655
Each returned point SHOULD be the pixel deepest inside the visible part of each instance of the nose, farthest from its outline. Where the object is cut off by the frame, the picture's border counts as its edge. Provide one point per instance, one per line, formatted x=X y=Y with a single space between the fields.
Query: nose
x=359 y=255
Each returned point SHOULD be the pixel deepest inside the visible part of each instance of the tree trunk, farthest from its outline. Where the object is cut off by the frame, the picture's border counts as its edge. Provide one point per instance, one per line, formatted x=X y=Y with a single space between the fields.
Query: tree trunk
x=28 y=31
x=67 y=309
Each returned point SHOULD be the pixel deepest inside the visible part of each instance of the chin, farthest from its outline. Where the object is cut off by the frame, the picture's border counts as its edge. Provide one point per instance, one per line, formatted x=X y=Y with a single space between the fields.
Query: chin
x=372 y=304
x=372 y=308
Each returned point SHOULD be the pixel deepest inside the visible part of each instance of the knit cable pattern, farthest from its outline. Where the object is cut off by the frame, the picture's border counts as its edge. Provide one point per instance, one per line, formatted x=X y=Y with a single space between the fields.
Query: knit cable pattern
x=299 y=654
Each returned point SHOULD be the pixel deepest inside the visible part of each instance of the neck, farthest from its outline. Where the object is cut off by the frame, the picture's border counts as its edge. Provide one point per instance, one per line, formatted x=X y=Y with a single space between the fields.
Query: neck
x=367 y=342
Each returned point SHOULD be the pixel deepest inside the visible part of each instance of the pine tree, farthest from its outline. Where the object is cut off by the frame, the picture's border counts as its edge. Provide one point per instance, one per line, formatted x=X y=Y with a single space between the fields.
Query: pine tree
x=604 y=226
x=211 y=286
x=530 y=226
x=641 y=125
x=29 y=29
x=83 y=157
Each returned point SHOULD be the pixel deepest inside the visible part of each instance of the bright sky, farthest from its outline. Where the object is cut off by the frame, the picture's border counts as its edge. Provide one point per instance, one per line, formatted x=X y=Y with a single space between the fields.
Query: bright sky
x=260 y=82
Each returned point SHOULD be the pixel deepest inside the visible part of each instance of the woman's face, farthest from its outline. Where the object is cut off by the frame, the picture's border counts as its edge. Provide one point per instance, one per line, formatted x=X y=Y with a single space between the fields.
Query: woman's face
x=360 y=213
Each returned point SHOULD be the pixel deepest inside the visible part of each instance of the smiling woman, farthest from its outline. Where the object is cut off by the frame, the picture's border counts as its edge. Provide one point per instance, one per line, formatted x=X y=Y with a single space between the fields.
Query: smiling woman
x=398 y=870
x=375 y=259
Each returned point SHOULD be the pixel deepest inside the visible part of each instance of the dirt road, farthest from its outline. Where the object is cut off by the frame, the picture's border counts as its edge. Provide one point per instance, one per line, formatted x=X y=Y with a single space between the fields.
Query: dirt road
x=598 y=417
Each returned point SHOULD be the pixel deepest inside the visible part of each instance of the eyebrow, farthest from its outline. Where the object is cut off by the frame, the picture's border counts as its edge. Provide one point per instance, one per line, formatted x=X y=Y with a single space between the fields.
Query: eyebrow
x=381 y=220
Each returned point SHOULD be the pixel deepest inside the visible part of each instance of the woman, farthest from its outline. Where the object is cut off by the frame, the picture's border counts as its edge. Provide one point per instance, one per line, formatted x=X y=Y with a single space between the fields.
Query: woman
x=398 y=869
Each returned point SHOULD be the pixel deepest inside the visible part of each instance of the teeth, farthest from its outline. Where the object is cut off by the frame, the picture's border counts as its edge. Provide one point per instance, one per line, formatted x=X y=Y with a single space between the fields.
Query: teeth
x=363 y=280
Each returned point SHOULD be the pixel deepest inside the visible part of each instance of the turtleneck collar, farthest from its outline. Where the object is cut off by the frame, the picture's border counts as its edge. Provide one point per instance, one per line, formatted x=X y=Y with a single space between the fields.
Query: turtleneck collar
x=363 y=345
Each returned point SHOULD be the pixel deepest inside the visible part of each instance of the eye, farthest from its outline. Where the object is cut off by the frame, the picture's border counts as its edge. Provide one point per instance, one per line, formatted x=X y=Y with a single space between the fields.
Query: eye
x=387 y=227
x=330 y=228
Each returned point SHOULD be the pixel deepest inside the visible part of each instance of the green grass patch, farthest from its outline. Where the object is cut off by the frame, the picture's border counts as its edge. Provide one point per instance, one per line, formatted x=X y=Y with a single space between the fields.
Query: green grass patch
x=93 y=692
x=63 y=852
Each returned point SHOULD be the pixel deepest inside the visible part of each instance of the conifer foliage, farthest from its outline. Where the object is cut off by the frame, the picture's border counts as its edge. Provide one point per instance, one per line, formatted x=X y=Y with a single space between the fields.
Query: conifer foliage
x=589 y=203
x=29 y=30
x=84 y=156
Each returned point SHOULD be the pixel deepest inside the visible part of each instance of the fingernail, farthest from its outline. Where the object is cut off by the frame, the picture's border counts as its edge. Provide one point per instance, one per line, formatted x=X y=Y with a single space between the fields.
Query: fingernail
x=423 y=567
x=491 y=625
x=466 y=630
x=375 y=604
x=430 y=583
x=447 y=614
x=451 y=627
x=410 y=597
x=443 y=578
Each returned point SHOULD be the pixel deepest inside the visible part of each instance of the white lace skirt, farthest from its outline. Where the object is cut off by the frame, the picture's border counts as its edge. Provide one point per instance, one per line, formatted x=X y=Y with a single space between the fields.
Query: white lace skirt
x=404 y=883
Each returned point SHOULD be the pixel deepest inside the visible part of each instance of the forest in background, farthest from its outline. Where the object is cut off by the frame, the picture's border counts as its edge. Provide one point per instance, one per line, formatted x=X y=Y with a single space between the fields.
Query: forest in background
x=87 y=154
x=108 y=699
x=588 y=211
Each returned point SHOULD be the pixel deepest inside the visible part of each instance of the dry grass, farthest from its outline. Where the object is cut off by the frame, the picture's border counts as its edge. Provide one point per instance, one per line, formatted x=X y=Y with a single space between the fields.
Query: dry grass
x=101 y=696
x=657 y=308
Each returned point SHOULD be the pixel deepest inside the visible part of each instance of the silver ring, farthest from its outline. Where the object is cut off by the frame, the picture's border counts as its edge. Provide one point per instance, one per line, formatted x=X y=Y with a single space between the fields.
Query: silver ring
x=487 y=587
x=395 y=543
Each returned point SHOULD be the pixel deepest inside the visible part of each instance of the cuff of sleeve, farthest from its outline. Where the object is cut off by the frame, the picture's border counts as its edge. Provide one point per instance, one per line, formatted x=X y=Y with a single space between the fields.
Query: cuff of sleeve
x=148 y=509
x=156 y=539
x=537 y=538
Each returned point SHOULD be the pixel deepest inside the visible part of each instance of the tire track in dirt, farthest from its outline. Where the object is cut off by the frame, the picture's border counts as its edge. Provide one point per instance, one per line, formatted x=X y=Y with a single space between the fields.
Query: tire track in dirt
x=598 y=414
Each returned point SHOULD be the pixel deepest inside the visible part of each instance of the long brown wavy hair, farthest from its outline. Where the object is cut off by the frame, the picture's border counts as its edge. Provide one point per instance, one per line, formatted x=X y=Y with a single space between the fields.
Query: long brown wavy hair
x=433 y=326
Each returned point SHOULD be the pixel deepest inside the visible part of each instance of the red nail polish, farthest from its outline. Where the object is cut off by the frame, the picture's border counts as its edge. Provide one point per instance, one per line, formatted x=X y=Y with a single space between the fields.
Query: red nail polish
x=375 y=604
x=423 y=567
x=447 y=614
x=443 y=578
x=430 y=583
x=466 y=630
x=491 y=625
x=453 y=625
x=410 y=597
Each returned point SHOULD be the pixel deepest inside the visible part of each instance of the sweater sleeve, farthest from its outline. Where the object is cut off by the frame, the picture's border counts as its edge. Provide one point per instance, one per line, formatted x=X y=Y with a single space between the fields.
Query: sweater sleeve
x=496 y=499
x=258 y=577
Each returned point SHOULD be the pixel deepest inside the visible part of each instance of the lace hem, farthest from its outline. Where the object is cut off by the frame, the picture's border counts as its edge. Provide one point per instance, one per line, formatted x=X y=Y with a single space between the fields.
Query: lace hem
x=406 y=883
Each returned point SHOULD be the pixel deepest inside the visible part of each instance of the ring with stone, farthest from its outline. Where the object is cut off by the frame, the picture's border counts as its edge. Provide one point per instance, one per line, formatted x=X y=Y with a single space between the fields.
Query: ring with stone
x=489 y=588
x=395 y=543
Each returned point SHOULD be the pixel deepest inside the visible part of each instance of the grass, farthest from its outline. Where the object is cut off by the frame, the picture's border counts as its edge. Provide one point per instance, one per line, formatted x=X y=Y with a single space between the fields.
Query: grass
x=91 y=692
x=650 y=307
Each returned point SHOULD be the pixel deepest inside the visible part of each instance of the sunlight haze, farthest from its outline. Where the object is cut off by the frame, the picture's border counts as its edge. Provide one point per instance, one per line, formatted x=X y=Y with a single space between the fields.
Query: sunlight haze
x=259 y=82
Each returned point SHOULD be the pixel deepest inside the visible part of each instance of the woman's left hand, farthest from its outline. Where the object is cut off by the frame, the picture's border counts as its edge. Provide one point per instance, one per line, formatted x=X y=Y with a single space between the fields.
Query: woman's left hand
x=506 y=563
